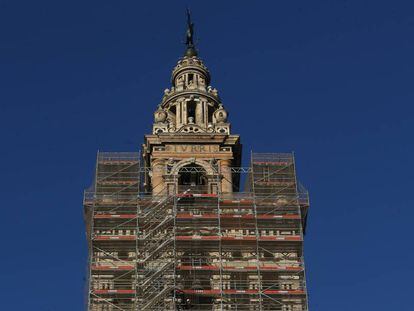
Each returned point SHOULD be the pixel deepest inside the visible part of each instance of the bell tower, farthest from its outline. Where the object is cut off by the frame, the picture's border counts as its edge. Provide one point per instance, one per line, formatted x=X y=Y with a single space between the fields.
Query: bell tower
x=170 y=229
x=191 y=148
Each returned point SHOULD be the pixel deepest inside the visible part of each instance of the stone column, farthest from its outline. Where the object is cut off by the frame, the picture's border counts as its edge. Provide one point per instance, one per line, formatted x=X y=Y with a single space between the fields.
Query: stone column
x=157 y=179
x=226 y=181
x=178 y=115
x=184 y=120
x=205 y=121
x=199 y=113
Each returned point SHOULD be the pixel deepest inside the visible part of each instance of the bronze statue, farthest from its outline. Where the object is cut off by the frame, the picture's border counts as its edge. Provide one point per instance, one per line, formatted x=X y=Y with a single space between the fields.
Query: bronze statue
x=189 y=37
x=190 y=31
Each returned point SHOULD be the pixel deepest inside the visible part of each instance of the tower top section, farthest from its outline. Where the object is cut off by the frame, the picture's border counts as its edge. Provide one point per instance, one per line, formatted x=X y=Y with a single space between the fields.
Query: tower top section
x=190 y=61
x=191 y=105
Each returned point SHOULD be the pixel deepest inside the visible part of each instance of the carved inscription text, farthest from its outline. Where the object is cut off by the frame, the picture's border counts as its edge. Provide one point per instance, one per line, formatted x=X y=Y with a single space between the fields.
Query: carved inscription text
x=192 y=148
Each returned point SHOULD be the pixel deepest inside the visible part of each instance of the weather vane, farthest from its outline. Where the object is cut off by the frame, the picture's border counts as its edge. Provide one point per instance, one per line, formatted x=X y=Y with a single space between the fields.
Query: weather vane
x=190 y=31
x=189 y=40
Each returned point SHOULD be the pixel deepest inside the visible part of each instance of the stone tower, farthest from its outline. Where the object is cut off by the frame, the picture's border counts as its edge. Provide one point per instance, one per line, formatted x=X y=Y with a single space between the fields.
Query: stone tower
x=171 y=228
x=191 y=129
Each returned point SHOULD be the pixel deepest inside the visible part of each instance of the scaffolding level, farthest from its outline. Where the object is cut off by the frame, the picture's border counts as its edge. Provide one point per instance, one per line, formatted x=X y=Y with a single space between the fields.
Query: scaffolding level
x=194 y=250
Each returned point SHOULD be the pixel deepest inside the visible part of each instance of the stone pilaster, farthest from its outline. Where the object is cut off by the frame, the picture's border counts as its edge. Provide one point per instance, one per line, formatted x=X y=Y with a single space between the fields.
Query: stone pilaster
x=226 y=181
x=157 y=179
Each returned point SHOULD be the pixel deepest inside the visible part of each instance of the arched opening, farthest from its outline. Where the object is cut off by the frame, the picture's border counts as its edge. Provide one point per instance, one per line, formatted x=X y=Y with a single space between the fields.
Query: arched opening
x=192 y=179
x=173 y=109
x=191 y=111
x=190 y=78
x=210 y=112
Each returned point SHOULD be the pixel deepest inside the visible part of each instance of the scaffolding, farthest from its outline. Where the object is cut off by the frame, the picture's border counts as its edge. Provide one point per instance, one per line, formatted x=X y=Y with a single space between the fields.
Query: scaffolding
x=193 y=250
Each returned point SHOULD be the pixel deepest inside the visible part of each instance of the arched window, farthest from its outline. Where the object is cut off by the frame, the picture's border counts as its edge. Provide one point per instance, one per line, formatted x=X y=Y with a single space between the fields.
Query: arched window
x=192 y=179
x=191 y=111
x=190 y=78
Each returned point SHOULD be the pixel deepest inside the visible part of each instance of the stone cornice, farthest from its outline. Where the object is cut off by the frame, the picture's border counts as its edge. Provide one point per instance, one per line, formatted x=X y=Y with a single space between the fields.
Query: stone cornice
x=187 y=93
x=192 y=138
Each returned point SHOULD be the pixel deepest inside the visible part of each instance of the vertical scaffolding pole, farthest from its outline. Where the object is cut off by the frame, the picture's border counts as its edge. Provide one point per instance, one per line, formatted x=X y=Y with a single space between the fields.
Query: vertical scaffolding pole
x=91 y=228
x=257 y=235
x=219 y=196
x=301 y=232
x=175 y=242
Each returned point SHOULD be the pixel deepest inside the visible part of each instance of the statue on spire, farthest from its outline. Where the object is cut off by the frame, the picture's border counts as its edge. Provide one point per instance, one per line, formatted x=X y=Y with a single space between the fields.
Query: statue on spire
x=189 y=40
x=190 y=31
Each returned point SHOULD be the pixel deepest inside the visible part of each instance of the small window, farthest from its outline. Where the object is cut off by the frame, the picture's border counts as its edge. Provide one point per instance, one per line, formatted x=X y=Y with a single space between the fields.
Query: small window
x=210 y=114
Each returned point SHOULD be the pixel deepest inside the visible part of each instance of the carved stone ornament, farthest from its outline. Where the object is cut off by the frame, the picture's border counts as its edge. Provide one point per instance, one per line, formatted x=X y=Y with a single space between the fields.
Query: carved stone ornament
x=160 y=115
x=220 y=115
x=170 y=164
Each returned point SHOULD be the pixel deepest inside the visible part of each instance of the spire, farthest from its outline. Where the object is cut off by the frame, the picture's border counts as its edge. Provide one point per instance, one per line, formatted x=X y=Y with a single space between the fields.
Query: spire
x=189 y=40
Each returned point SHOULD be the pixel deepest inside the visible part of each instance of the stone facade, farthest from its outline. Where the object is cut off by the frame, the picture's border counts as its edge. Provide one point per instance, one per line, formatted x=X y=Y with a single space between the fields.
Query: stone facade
x=191 y=129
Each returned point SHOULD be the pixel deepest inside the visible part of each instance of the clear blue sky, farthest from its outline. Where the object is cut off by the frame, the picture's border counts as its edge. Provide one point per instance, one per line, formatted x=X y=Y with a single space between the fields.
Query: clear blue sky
x=330 y=80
